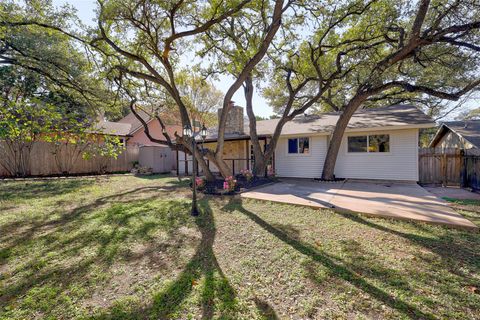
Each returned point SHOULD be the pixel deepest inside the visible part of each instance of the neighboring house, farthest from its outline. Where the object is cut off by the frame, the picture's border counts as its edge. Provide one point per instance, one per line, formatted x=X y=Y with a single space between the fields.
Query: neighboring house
x=379 y=143
x=137 y=131
x=131 y=132
x=457 y=134
x=122 y=130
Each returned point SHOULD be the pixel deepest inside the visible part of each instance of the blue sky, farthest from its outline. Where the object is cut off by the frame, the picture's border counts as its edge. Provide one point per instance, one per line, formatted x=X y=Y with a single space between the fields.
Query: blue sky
x=86 y=12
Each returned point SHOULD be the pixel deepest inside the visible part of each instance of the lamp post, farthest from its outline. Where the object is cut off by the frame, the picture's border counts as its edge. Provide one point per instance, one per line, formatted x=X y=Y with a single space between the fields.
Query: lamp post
x=188 y=132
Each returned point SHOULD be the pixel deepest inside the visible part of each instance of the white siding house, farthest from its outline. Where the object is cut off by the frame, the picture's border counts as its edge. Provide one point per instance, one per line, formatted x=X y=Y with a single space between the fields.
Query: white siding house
x=380 y=143
x=301 y=165
x=400 y=163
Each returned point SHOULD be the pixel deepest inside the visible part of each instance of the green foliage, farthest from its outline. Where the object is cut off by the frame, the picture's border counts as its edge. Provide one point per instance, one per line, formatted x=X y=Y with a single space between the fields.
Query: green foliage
x=67 y=65
x=109 y=147
x=200 y=97
x=33 y=110
x=346 y=41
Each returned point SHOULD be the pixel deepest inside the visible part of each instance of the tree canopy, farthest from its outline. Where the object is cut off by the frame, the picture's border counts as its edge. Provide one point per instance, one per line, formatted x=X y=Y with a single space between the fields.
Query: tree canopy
x=304 y=56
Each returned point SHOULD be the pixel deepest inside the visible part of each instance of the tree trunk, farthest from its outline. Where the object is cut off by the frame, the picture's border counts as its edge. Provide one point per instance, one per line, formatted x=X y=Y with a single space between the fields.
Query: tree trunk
x=336 y=138
x=224 y=169
x=203 y=164
x=259 y=166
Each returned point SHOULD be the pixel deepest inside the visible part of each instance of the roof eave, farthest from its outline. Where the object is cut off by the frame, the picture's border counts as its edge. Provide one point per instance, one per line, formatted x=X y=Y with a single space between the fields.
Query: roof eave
x=348 y=130
x=438 y=135
x=139 y=127
x=398 y=127
x=460 y=135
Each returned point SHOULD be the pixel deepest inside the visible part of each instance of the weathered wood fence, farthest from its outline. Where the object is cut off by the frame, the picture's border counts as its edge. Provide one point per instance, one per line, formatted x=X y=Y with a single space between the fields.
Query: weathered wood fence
x=44 y=162
x=449 y=167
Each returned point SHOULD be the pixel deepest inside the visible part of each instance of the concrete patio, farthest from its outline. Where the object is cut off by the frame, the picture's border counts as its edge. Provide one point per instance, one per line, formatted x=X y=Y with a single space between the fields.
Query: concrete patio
x=405 y=201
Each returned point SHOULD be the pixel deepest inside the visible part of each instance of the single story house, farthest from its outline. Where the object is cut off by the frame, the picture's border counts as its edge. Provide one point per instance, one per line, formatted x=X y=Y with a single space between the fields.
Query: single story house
x=457 y=134
x=379 y=143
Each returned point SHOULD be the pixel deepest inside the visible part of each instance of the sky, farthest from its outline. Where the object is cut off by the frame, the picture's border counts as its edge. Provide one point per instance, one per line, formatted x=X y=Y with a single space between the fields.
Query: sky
x=86 y=12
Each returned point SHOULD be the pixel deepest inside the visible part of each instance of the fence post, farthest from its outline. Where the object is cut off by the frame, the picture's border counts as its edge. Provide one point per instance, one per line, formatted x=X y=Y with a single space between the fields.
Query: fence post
x=463 y=171
x=445 y=169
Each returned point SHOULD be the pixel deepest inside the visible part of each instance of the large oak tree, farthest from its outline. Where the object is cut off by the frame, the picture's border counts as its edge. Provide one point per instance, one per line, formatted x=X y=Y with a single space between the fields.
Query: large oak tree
x=147 y=40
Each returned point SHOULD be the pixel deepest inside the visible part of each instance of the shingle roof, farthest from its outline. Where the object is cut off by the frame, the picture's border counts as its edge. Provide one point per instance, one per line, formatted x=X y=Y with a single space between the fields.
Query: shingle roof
x=469 y=130
x=391 y=116
x=169 y=118
x=112 y=128
x=134 y=123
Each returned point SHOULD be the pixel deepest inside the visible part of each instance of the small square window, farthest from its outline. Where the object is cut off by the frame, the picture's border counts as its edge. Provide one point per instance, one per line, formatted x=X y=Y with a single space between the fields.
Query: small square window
x=292 y=145
x=299 y=145
x=357 y=144
x=379 y=143
x=303 y=145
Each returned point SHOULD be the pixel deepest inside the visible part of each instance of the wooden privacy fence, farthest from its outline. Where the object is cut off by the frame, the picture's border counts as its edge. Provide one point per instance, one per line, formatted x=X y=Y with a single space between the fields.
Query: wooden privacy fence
x=471 y=169
x=44 y=162
x=449 y=167
x=437 y=166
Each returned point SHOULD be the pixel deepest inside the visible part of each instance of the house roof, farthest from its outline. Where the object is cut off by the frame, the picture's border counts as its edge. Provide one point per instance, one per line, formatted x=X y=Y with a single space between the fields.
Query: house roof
x=112 y=128
x=469 y=130
x=378 y=118
x=168 y=118
x=132 y=120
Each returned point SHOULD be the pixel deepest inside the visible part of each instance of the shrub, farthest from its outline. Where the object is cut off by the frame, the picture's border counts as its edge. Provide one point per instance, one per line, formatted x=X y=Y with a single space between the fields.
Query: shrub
x=200 y=182
x=230 y=184
x=248 y=175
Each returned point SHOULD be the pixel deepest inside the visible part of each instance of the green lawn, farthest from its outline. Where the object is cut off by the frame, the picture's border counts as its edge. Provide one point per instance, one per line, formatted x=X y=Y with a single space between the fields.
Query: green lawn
x=125 y=248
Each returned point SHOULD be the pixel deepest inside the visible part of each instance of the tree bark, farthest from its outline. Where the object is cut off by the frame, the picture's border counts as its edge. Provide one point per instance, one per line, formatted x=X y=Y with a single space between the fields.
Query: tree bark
x=259 y=166
x=337 y=135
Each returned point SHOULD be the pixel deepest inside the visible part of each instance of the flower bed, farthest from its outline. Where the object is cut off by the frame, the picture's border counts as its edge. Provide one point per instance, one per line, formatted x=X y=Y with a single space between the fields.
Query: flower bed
x=231 y=185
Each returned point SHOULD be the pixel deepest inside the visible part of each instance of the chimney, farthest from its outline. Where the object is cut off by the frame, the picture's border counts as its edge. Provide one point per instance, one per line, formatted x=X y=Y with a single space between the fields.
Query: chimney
x=234 y=124
x=101 y=116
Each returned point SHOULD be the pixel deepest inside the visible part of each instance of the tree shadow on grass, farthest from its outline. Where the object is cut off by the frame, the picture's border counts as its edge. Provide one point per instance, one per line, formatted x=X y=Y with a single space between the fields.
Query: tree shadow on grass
x=216 y=293
x=451 y=246
x=203 y=263
x=10 y=191
x=105 y=229
x=12 y=237
x=334 y=268
x=266 y=311
x=60 y=257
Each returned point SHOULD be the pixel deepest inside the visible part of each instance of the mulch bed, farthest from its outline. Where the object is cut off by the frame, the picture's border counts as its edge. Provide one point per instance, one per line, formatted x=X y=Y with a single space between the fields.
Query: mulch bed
x=216 y=187
x=332 y=181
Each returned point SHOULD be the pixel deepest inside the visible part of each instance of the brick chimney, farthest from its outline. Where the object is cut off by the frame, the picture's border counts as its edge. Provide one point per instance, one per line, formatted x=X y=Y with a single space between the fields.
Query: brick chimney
x=235 y=120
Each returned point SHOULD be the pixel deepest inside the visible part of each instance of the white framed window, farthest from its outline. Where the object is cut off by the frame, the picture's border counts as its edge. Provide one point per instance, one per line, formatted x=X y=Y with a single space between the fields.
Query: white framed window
x=374 y=143
x=298 y=145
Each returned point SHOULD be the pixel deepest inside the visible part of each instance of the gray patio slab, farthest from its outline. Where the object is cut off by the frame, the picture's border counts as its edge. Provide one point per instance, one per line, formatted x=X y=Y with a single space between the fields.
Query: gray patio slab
x=404 y=201
x=454 y=193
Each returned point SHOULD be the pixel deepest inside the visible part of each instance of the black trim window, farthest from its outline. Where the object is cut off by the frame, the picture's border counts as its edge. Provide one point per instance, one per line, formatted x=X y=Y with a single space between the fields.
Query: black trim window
x=370 y=143
x=299 y=145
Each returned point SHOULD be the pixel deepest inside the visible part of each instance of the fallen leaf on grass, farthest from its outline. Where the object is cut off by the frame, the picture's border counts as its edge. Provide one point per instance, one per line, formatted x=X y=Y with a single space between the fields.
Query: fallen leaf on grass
x=473 y=289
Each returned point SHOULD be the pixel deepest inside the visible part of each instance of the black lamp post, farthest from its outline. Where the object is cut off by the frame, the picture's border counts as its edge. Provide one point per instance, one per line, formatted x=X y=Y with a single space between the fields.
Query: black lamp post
x=188 y=132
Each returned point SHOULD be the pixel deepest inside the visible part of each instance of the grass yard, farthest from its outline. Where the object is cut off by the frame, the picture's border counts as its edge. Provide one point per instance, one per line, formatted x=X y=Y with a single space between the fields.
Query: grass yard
x=124 y=247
